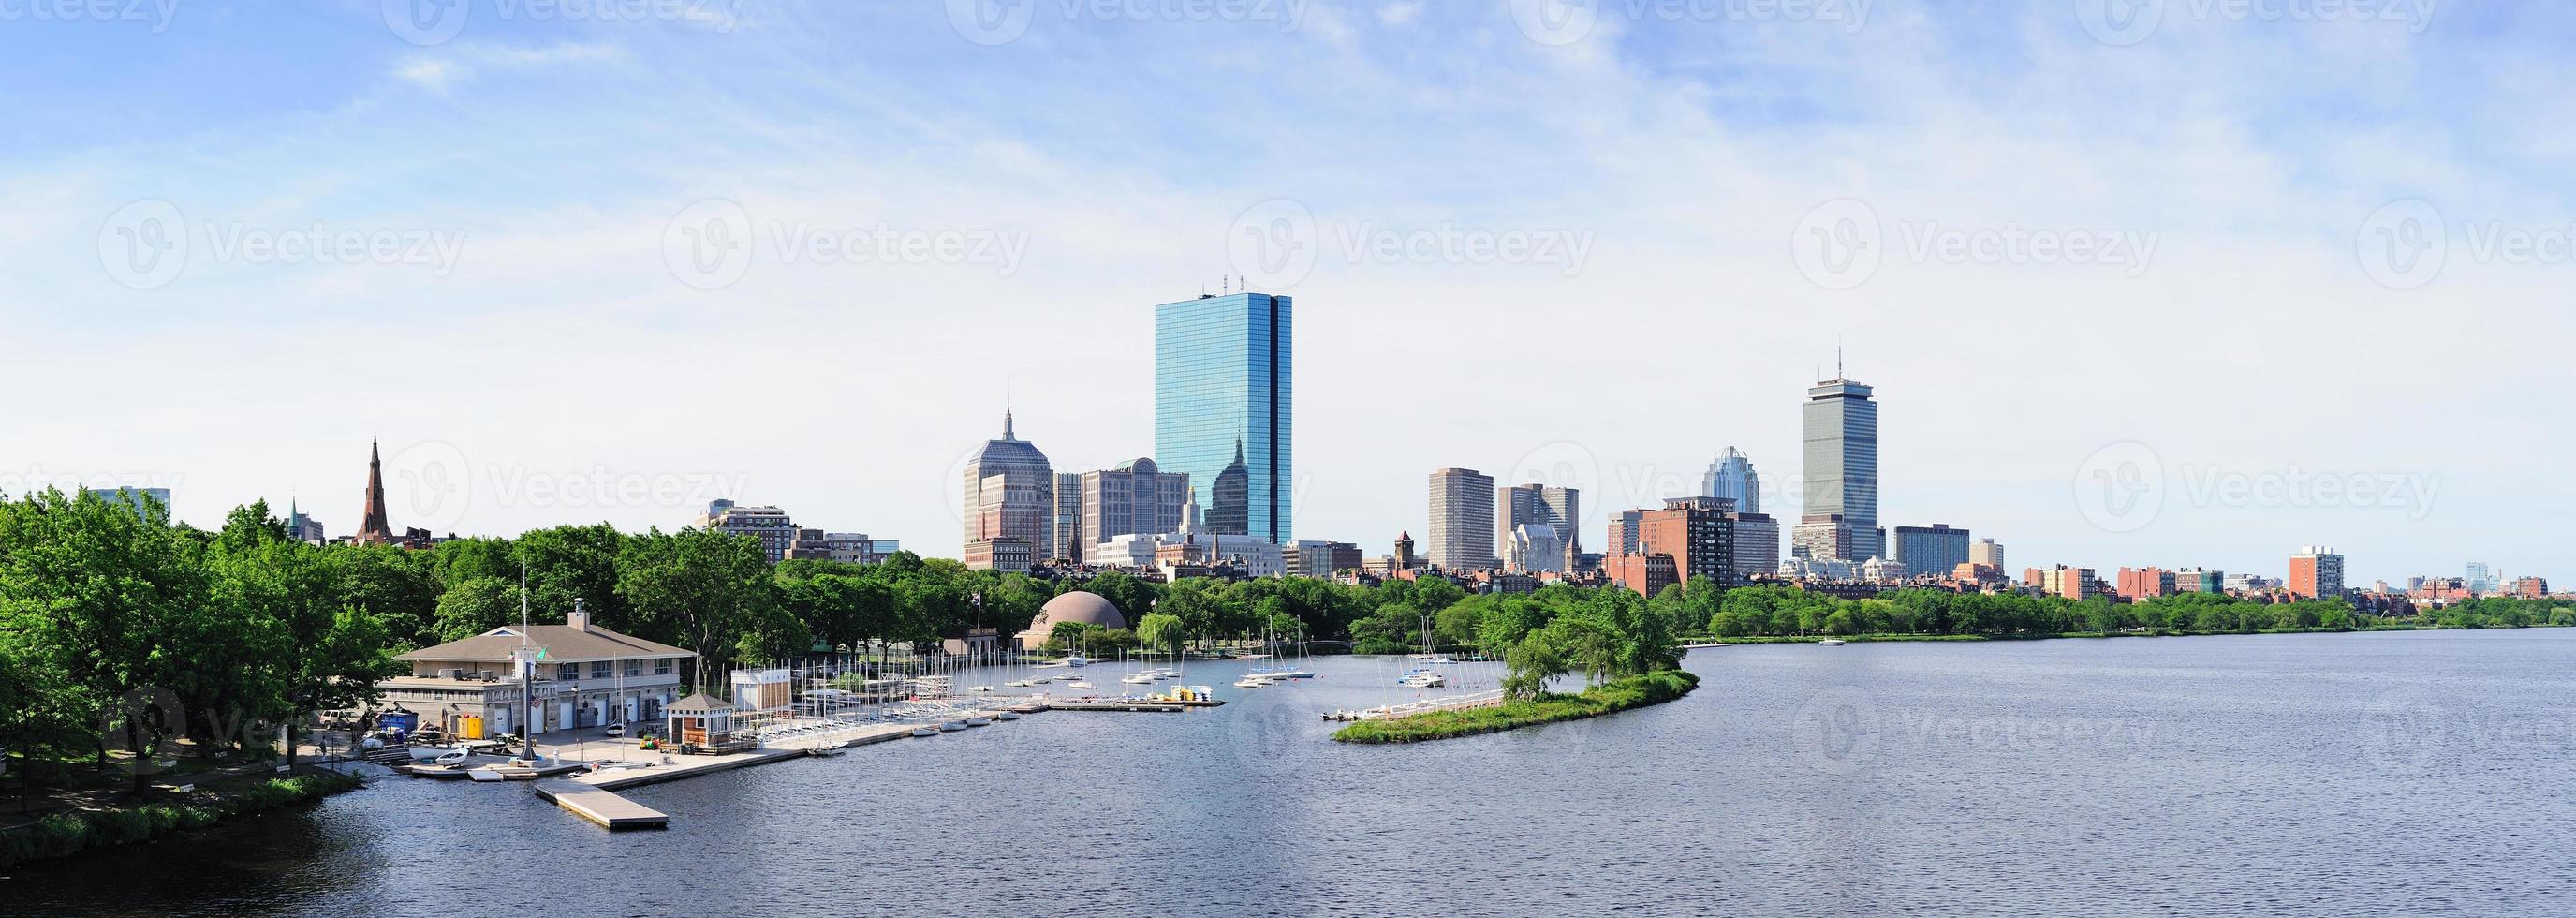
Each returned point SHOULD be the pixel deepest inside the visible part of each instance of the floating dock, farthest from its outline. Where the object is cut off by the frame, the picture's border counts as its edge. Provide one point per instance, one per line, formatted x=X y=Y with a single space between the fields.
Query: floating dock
x=601 y=806
x=1115 y=705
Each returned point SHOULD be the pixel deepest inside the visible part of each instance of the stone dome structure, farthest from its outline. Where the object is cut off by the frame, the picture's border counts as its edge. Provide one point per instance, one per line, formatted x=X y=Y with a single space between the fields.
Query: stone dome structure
x=1077 y=606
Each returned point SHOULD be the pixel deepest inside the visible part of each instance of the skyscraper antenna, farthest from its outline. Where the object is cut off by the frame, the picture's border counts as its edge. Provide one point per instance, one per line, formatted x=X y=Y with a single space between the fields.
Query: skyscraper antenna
x=1838 y=360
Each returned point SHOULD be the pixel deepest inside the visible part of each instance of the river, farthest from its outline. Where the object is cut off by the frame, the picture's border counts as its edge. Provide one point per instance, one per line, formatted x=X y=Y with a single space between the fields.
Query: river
x=2347 y=774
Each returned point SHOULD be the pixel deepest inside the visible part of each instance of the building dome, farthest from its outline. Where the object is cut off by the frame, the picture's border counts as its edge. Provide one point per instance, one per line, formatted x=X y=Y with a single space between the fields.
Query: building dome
x=1078 y=606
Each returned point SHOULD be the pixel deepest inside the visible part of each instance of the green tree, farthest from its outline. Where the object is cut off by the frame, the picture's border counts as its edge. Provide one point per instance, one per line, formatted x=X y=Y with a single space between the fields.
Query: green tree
x=711 y=588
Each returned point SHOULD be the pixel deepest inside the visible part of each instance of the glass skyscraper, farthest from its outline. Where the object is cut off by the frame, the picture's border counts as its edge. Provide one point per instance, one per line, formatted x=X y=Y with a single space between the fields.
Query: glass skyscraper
x=1841 y=513
x=1221 y=408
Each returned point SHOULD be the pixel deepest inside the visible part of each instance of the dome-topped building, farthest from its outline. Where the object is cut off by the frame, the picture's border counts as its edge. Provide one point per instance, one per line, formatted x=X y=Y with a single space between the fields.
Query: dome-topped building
x=1078 y=607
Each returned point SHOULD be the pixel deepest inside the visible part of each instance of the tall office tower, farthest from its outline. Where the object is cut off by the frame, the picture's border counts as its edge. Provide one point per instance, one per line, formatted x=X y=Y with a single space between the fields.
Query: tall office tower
x=2316 y=572
x=1222 y=408
x=1935 y=549
x=1732 y=477
x=1840 y=519
x=1066 y=526
x=1990 y=553
x=1010 y=504
x=1136 y=498
x=1462 y=520
x=1557 y=509
x=1757 y=545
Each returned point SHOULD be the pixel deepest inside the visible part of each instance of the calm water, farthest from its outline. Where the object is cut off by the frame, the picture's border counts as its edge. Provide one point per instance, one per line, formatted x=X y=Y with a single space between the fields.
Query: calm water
x=2266 y=775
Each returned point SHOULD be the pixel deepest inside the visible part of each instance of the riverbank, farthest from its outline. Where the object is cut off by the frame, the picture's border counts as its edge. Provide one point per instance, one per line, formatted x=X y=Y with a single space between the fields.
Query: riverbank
x=64 y=834
x=2150 y=632
x=1607 y=698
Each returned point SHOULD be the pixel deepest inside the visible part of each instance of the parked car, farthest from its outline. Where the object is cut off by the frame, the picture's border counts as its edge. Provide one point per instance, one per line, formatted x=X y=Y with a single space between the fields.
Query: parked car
x=615 y=730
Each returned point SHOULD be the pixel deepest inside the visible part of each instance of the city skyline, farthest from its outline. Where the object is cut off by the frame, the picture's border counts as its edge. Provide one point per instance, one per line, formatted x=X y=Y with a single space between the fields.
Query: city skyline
x=1999 y=396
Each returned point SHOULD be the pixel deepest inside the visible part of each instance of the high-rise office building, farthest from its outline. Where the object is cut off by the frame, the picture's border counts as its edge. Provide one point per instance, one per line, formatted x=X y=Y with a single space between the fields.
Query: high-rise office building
x=2316 y=572
x=2482 y=578
x=1757 y=545
x=1222 y=408
x=1136 y=498
x=1559 y=510
x=1987 y=552
x=1065 y=525
x=1840 y=519
x=1934 y=549
x=1462 y=520
x=1010 y=504
x=1623 y=532
x=142 y=501
x=1732 y=477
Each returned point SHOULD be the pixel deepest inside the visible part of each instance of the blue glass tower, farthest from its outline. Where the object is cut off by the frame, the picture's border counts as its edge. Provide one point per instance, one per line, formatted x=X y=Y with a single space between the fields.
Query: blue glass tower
x=1221 y=408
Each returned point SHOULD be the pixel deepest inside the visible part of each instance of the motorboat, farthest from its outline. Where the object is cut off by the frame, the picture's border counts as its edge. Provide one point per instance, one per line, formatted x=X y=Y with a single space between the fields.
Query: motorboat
x=951 y=726
x=979 y=688
x=1137 y=679
x=828 y=750
x=1006 y=715
x=1830 y=642
x=1423 y=679
x=1022 y=683
x=979 y=721
x=1290 y=674
x=1078 y=684
x=1252 y=682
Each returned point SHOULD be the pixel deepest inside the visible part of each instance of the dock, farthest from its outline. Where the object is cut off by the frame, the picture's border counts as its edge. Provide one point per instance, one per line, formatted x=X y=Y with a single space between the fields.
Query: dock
x=1111 y=704
x=601 y=806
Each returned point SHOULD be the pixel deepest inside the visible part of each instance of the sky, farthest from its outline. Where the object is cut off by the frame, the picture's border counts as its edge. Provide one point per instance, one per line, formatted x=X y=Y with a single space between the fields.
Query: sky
x=2182 y=283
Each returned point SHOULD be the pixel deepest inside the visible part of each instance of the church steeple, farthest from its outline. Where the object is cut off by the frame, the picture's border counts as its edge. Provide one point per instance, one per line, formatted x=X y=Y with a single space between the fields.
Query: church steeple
x=374 y=530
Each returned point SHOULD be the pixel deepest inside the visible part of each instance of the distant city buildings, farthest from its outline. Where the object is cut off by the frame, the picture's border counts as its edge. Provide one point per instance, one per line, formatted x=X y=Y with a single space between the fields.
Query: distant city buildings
x=1931 y=549
x=2076 y=583
x=1840 y=517
x=1987 y=552
x=1757 y=545
x=304 y=528
x=1462 y=520
x=2251 y=583
x=1065 y=527
x=2147 y=583
x=846 y=547
x=1535 y=548
x=2531 y=587
x=1557 y=510
x=2481 y=578
x=2316 y=572
x=1009 y=505
x=1623 y=533
x=2198 y=580
x=1222 y=408
x=141 y=500
x=770 y=525
x=1690 y=537
x=1732 y=477
x=1137 y=497
x=1317 y=559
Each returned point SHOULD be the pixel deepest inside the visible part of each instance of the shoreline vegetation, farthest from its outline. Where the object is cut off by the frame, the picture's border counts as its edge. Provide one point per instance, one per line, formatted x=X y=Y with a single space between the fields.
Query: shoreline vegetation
x=1614 y=696
x=67 y=834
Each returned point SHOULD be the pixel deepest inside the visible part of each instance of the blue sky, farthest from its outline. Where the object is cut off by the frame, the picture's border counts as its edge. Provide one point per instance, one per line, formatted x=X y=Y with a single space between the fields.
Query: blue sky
x=1002 y=214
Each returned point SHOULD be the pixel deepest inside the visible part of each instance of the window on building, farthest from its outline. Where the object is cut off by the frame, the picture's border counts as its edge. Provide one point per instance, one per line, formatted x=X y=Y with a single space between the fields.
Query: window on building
x=634 y=667
x=602 y=669
x=568 y=672
x=662 y=666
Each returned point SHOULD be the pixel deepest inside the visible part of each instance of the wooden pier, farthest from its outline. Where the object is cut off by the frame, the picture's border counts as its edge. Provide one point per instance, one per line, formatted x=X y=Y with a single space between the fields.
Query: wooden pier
x=602 y=806
x=1115 y=705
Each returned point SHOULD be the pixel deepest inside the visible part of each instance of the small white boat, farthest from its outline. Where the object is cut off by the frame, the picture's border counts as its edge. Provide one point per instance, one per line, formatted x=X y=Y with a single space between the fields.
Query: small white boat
x=951 y=726
x=979 y=721
x=1424 y=680
x=925 y=731
x=979 y=688
x=1252 y=682
x=1022 y=683
x=1137 y=679
x=1078 y=684
x=828 y=750
x=1291 y=674
x=1830 y=642
x=1006 y=715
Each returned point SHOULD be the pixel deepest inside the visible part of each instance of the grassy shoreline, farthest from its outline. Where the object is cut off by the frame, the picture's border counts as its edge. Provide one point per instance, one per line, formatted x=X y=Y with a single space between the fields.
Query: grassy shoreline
x=1607 y=698
x=65 y=834
x=2157 y=632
